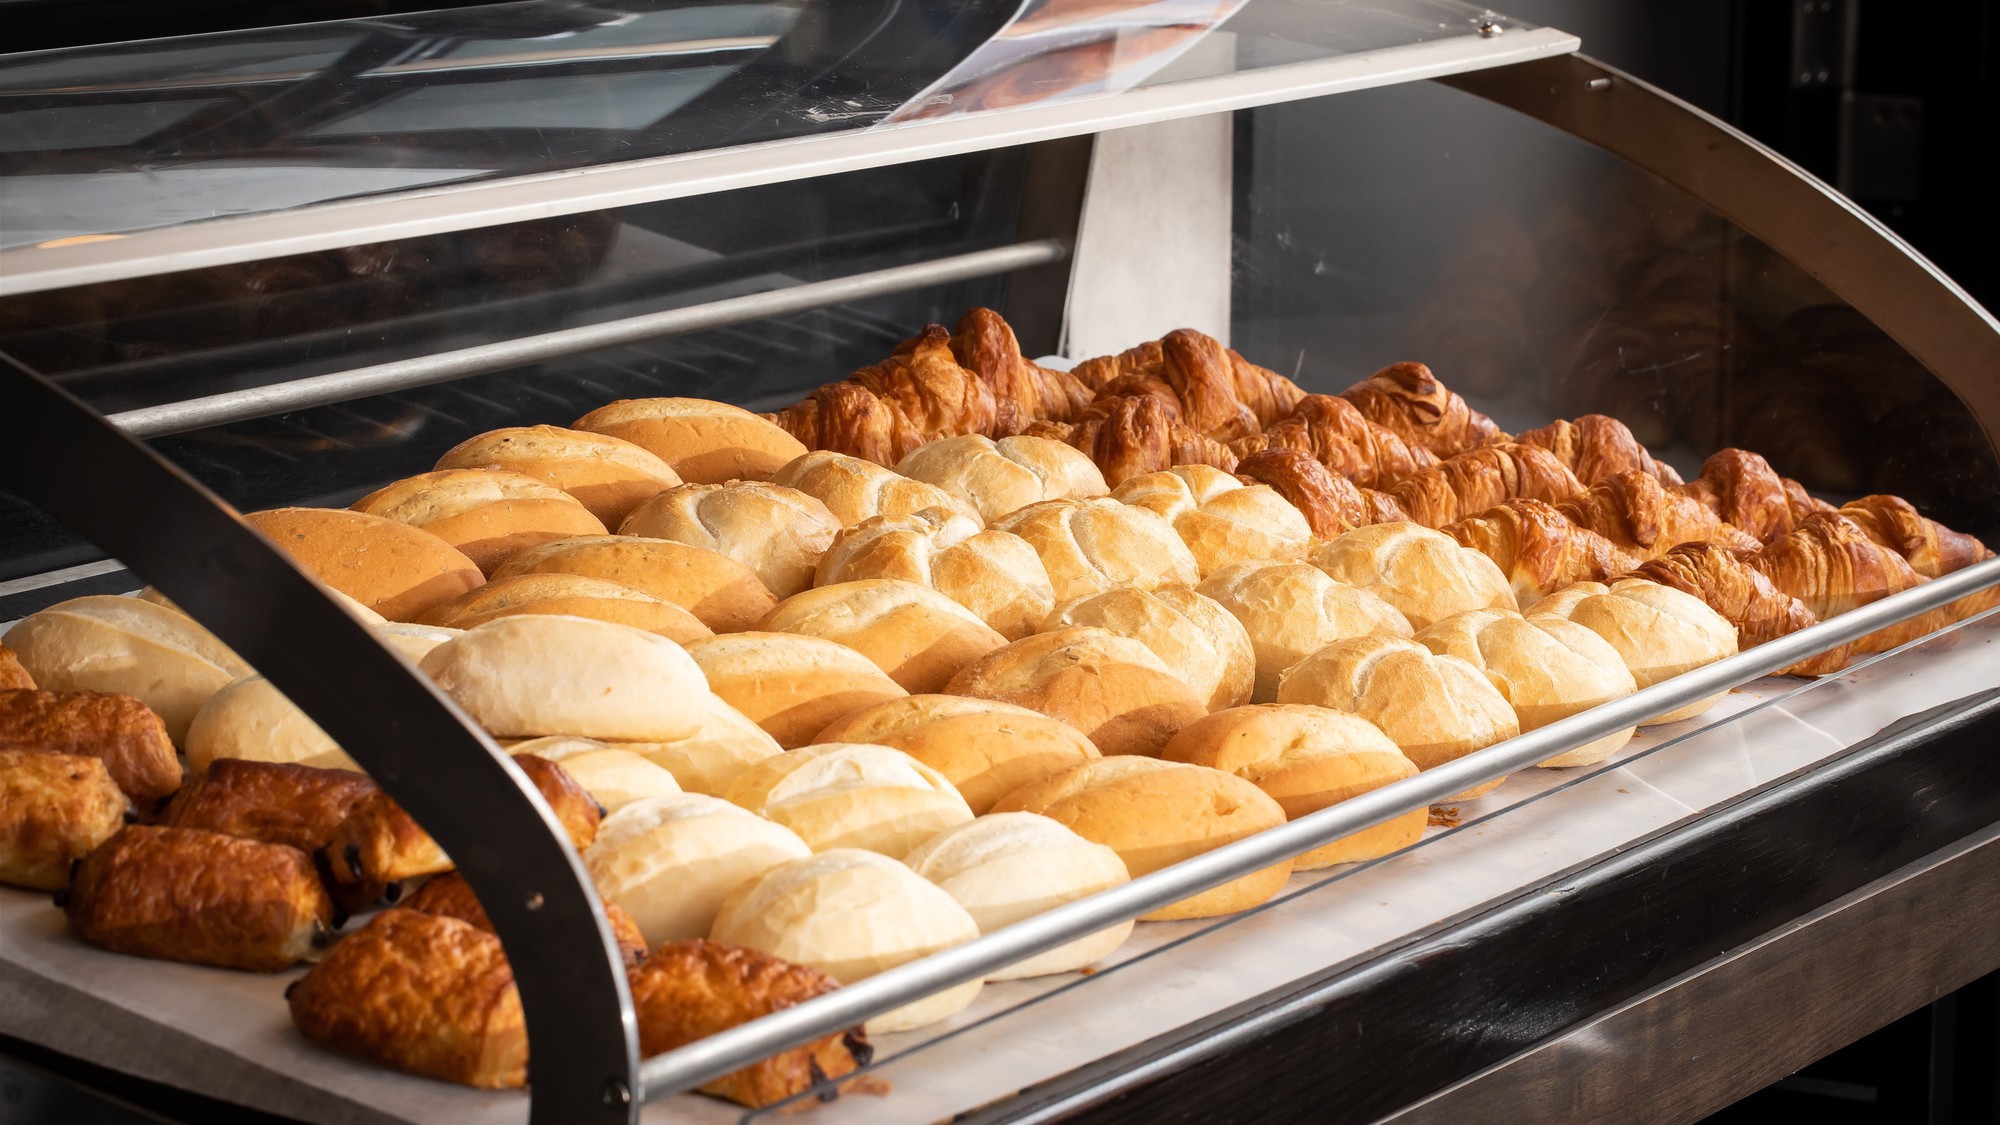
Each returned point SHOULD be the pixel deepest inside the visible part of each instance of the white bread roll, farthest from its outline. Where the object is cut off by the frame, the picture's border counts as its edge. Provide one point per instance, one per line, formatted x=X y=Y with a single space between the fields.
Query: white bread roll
x=1426 y=574
x=669 y=861
x=613 y=775
x=1307 y=759
x=999 y=477
x=851 y=914
x=985 y=748
x=1292 y=610
x=778 y=532
x=1155 y=814
x=252 y=719
x=109 y=643
x=1657 y=630
x=1548 y=667
x=361 y=612
x=1195 y=637
x=568 y=595
x=1114 y=690
x=727 y=596
x=414 y=641
x=392 y=568
x=1221 y=519
x=916 y=635
x=722 y=745
x=1011 y=866
x=852 y=795
x=607 y=475
x=1089 y=546
x=705 y=442
x=487 y=514
x=995 y=574
x=855 y=490
x=524 y=677
x=792 y=686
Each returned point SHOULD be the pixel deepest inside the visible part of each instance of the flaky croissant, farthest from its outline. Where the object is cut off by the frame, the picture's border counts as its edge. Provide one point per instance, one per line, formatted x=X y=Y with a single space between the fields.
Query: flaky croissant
x=1332 y=505
x=1831 y=565
x=1023 y=391
x=1741 y=487
x=1596 y=446
x=1931 y=549
x=1471 y=482
x=1220 y=394
x=1640 y=516
x=1538 y=549
x=1135 y=436
x=1333 y=432
x=1407 y=398
x=1738 y=591
x=883 y=411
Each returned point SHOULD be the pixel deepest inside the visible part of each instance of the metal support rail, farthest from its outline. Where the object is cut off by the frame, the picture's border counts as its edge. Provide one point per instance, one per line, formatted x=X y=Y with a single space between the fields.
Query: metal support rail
x=731 y=1050
x=481 y=359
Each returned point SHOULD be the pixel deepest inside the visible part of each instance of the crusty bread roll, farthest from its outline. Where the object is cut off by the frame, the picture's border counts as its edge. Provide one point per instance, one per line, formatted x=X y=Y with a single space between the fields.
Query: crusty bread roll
x=570 y=595
x=985 y=748
x=487 y=514
x=363 y=613
x=1548 y=667
x=995 y=574
x=1657 y=630
x=607 y=475
x=613 y=775
x=1089 y=546
x=1155 y=814
x=524 y=677
x=397 y=570
x=670 y=860
x=1292 y=610
x=790 y=685
x=1114 y=690
x=705 y=442
x=1221 y=519
x=1010 y=866
x=727 y=596
x=888 y=915
x=1435 y=708
x=108 y=643
x=778 y=532
x=998 y=477
x=1195 y=637
x=1306 y=758
x=852 y=795
x=412 y=640
x=855 y=490
x=722 y=745
x=252 y=719
x=1423 y=573
x=915 y=634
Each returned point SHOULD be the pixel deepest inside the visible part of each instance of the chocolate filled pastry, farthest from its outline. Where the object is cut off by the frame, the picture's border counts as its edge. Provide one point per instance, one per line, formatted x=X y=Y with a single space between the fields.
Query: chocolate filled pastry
x=180 y=894
x=119 y=729
x=451 y=896
x=13 y=677
x=276 y=802
x=54 y=808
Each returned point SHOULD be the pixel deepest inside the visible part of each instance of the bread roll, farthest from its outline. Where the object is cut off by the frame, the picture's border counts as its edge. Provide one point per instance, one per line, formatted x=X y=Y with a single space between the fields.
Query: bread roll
x=607 y=475
x=569 y=595
x=1195 y=637
x=670 y=860
x=985 y=748
x=1011 y=866
x=888 y=915
x=855 y=490
x=1089 y=546
x=392 y=568
x=727 y=596
x=1155 y=814
x=995 y=574
x=1292 y=610
x=792 y=686
x=916 y=635
x=1435 y=708
x=852 y=795
x=723 y=744
x=252 y=719
x=524 y=677
x=1114 y=690
x=1307 y=759
x=1548 y=667
x=999 y=477
x=1221 y=519
x=412 y=640
x=705 y=442
x=488 y=515
x=614 y=776
x=1423 y=573
x=129 y=647
x=780 y=533
x=1657 y=630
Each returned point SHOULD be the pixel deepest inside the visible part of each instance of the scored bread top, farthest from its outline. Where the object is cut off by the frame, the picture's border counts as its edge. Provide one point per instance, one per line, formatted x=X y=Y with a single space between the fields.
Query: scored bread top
x=1000 y=477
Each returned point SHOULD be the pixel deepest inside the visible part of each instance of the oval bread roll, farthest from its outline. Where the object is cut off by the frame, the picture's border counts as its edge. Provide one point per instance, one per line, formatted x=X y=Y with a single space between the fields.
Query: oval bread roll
x=1114 y=690
x=727 y=596
x=397 y=570
x=855 y=490
x=852 y=795
x=123 y=645
x=790 y=685
x=1426 y=574
x=1195 y=637
x=995 y=574
x=412 y=640
x=1221 y=519
x=1089 y=546
x=918 y=636
x=613 y=775
x=985 y=748
x=252 y=719
x=569 y=595
x=1549 y=668
x=668 y=861
x=705 y=442
x=607 y=475
x=999 y=477
x=1292 y=610
x=722 y=745
x=487 y=514
x=1657 y=630
x=780 y=533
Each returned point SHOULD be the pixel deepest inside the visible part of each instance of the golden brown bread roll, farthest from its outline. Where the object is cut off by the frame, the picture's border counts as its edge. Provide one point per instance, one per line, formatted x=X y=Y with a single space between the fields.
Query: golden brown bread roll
x=999 y=477
x=1657 y=630
x=450 y=896
x=13 y=677
x=54 y=809
x=985 y=748
x=1538 y=550
x=703 y=442
x=607 y=475
x=995 y=574
x=1089 y=546
x=855 y=490
x=252 y=720
x=1221 y=519
x=916 y=635
x=614 y=774
x=1425 y=574
x=790 y=685
x=670 y=860
x=1195 y=637
x=568 y=595
x=1547 y=667
x=776 y=531
x=723 y=744
x=276 y=802
x=118 y=729
x=1114 y=690
x=852 y=795
x=725 y=595
x=486 y=514
x=397 y=570
x=1291 y=610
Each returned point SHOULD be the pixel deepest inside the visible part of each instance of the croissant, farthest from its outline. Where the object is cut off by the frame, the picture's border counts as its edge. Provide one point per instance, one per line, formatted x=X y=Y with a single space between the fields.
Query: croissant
x=1332 y=505
x=1407 y=398
x=1220 y=394
x=1832 y=566
x=1471 y=482
x=1931 y=548
x=1595 y=446
x=1135 y=436
x=1738 y=591
x=1023 y=391
x=1333 y=431
x=882 y=412
x=1539 y=549
x=1742 y=488
x=1644 y=518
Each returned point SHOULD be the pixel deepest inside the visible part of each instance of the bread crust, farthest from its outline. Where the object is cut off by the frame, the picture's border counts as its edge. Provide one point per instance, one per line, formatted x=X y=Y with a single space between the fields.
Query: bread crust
x=704 y=442
x=1000 y=477
x=1220 y=518
x=778 y=532
x=855 y=490
x=984 y=747
x=607 y=475
x=917 y=636
x=995 y=574
x=54 y=810
x=13 y=677
x=105 y=643
x=1089 y=546
x=790 y=685
x=451 y=896
x=1114 y=690
x=724 y=594
x=275 y=802
x=117 y=729
x=1194 y=636
x=486 y=514
x=397 y=570
x=1291 y=610
x=1425 y=574
x=570 y=595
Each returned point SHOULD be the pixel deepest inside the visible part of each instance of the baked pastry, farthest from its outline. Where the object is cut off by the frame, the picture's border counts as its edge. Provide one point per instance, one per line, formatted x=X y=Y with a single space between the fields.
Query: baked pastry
x=1023 y=391
x=104 y=643
x=1011 y=866
x=1306 y=759
x=607 y=475
x=487 y=515
x=703 y=442
x=1219 y=392
x=252 y=720
x=1742 y=490
x=1408 y=399
x=883 y=411
x=13 y=677
x=852 y=795
x=613 y=775
x=998 y=477
x=1640 y=516
x=450 y=896
x=1474 y=481
x=569 y=595
x=1292 y=610
x=723 y=744
x=1932 y=549
x=1596 y=446
x=778 y=532
x=54 y=809
x=1733 y=588
x=118 y=729
x=276 y=802
x=995 y=574
x=668 y=861
x=1155 y=814
x=917 y=636
x=1332 y=505
x=1538 y=549
x=792 y=686
x=1195 y=637
x=1114 y=690
x=1425 y=574
x=1089 y=546
x=1221 y=519
x=1547 y=667
x=392 y=568
x=1657 y=630
x=1333 y=432
x=854 y=490
x=1832 y=566
x=1131 y=435
x=724 y=594
x=985 y=748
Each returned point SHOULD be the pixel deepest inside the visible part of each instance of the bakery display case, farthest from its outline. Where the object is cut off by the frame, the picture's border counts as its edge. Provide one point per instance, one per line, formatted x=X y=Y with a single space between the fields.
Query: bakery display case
x=283 y=270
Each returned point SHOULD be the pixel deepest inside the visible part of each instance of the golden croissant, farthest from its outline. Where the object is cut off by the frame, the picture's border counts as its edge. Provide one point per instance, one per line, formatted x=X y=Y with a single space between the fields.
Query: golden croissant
x=1641 y=516
x=1221 y=394
x=1742 y=489
x=1332 y=505
x=1407 y=398
x=1333 y=432
x=884 y=411
x=1538 y=549
x=1471 y=482
x=1136 y=435
x=1023 y=391
x=1596 y=446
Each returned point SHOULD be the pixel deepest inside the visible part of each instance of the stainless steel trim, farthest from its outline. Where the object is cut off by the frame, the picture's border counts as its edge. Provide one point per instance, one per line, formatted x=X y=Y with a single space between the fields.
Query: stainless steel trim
x=75 y=573
x=419 y=371
x=727 y=1051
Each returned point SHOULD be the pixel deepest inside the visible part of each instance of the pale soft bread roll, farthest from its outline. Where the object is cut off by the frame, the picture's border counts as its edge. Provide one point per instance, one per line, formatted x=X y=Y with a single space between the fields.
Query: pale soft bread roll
x=998 y=477
x=1089 y=546
x=524 y=677
x=725 y=595
x=669 y=861
x=1155 y=814
x=855 y=490
x=1434 y=708
x=1426 y=574
x=252 y=719
x=613 y=775
x=916 y=635
x=414 y=641
x=1306 y=758
x=1657 y=630
x=1221 y=519
x=1114 y=690
x=995 y=574
x=708 y=759
x=392 y=568
x=985 y=748
x=1195 y=637
x=486 y=513
x=569 y=595
x=790 y=685
x=778 y=532
x=851 y=914
x=1292 y=610
x=1548 y=667
x=363 y=613
x=105 y=642
x=607 y=475
x=1011 y=866
x=852 y=795
x=705 y=442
